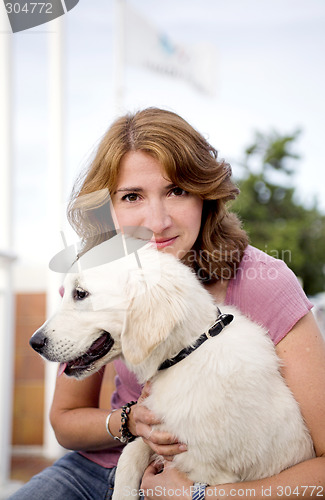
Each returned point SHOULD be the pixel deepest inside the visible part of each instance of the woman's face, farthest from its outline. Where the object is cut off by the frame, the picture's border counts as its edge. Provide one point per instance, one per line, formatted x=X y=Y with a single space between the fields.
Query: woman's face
x=146 y=197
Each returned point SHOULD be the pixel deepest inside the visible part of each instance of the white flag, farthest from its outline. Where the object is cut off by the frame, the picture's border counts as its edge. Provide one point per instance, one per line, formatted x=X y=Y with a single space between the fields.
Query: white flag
x=146 y=46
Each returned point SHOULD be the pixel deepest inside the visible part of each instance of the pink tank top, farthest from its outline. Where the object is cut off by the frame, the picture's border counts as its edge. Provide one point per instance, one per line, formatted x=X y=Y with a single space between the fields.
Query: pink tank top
x=264 y=289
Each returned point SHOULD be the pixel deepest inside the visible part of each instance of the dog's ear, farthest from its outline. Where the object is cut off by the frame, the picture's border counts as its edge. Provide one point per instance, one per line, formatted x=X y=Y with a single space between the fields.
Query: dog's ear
x=152 y=316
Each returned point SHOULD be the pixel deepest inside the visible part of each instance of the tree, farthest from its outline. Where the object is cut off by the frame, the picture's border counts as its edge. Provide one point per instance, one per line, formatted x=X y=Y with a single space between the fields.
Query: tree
x=274 y=220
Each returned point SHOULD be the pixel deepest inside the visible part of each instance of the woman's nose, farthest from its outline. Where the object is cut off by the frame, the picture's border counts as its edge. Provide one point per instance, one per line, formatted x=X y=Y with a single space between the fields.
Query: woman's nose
x=158 y=218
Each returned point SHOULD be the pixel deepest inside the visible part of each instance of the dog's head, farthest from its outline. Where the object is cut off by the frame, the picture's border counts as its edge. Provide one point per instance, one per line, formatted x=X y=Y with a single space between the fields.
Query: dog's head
x=127 y=307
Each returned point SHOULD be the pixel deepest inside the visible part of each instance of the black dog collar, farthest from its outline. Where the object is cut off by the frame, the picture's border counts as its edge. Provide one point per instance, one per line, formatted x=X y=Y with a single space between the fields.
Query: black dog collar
x=221 y=322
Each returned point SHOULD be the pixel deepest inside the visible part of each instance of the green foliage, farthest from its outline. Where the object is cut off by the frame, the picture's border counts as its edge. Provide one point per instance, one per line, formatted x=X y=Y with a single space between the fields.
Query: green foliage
x=275 y=222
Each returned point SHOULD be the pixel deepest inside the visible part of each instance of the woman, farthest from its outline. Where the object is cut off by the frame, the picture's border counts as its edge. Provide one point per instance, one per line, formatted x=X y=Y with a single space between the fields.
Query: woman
x=163 y=175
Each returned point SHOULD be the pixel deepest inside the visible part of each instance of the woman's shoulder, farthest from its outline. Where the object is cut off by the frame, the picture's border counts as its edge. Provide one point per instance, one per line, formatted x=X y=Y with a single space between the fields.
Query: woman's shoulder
x=254 y=257
x=266 y=290
x=260 y=269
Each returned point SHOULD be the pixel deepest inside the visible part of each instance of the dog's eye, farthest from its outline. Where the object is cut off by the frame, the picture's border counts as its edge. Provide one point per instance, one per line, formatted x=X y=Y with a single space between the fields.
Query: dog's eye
x=79 y=294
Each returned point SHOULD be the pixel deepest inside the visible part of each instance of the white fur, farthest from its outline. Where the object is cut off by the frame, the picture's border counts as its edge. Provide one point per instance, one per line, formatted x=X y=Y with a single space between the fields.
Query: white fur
x=227 y=400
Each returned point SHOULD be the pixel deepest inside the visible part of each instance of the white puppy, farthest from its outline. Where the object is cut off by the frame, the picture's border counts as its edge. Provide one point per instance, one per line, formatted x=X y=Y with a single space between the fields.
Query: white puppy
x=226 y=400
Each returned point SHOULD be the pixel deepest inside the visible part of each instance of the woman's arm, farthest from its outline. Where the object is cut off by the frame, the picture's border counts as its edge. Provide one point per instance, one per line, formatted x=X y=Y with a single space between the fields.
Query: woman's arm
x=79 y=423
x=303 y=354
x=75 y=416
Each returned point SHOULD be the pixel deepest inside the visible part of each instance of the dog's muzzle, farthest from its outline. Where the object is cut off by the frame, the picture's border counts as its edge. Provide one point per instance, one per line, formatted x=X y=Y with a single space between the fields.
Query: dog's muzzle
x=73 y=367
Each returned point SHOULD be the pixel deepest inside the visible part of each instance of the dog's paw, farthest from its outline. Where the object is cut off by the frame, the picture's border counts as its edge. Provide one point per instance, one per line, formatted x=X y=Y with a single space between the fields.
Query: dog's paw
x=127 y=491
x=130 y=469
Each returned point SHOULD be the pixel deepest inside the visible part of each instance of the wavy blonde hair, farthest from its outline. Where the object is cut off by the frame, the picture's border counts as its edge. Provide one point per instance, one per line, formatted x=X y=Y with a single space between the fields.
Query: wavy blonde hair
x=190 y=162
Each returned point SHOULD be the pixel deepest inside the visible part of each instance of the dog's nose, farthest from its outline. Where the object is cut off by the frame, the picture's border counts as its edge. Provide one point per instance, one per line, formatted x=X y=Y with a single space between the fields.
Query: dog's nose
x=38 y=341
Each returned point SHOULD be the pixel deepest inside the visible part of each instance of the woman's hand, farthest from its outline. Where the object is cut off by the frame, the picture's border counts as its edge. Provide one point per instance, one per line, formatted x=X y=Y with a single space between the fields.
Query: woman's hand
x=141 y=422
x=165 y=482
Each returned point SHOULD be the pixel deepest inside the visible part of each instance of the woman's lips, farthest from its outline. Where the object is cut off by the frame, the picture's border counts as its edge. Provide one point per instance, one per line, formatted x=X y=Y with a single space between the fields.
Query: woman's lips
x=162 y=243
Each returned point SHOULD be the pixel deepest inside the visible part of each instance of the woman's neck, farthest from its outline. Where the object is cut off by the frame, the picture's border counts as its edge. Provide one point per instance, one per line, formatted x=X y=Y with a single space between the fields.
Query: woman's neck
x=218 y=290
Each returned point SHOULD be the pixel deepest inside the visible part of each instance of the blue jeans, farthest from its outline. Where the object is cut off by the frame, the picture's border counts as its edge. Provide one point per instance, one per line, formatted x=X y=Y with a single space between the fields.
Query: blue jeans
x=72 y=477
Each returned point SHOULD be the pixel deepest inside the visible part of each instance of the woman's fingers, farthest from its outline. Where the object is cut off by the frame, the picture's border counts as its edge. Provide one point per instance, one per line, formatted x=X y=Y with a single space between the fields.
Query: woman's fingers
x=164 y=444
x=141 y=419
x=145 y=392
x=145 y=416
x=142 y=423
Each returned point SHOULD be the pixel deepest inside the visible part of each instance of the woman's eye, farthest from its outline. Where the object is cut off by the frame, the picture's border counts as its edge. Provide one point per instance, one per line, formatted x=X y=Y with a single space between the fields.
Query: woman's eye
x=131 y=197
x=177 y=191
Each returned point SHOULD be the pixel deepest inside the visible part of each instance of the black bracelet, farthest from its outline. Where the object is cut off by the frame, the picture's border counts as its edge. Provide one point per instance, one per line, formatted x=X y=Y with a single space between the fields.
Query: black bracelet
x=126 y=436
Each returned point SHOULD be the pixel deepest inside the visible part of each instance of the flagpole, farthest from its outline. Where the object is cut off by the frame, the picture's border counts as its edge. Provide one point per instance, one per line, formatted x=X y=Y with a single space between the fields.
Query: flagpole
x=119 y=55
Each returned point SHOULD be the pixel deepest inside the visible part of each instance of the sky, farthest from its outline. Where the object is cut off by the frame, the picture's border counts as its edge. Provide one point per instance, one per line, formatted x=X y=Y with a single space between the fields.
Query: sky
x=270 y=75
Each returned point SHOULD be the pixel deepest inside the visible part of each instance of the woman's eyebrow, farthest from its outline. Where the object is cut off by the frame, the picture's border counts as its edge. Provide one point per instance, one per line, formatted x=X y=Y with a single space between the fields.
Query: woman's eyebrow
x=139 y=189
x=133 y=189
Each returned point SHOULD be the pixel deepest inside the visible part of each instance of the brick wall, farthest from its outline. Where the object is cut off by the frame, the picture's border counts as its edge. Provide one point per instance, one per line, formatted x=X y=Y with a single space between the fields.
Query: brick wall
x=29 y=372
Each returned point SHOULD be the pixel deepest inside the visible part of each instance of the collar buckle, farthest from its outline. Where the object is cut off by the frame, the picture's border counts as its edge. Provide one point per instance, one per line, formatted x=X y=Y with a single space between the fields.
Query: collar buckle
x=221 y=322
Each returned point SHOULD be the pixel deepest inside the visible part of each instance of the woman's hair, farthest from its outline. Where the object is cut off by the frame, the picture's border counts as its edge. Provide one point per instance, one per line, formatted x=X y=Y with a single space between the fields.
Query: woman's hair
x=190 y=162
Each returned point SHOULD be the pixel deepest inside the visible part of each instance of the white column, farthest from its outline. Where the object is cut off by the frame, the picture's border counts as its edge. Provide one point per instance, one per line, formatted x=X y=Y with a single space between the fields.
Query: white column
x=55 y=201
x=5 y=131
x=7 y=331
x=7 y=335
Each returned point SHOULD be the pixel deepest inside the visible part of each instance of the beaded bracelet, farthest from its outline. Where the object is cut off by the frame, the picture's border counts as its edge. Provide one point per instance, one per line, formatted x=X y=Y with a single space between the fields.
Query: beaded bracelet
x=126 y=435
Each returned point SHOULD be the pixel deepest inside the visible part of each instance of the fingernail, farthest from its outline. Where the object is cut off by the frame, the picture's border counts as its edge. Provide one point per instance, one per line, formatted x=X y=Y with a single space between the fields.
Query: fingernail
x=183 y=447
